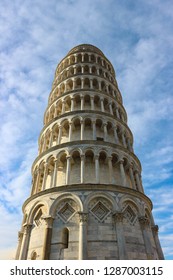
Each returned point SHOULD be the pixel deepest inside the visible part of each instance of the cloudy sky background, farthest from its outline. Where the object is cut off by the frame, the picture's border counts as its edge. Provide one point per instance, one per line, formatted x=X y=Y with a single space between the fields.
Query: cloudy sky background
x=137 y=37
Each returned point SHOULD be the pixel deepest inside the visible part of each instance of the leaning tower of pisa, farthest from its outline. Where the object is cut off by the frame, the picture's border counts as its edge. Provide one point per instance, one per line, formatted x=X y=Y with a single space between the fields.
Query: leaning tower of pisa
x=87 y=200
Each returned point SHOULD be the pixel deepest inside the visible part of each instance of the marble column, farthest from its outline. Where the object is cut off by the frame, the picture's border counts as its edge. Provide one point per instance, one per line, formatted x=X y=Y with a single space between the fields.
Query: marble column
x=110 y=169
x=123 y=140
x=20 y=238
x=63 y=107
x=138 y=181
x=45 y=176
x=97 y=169
x=47 y=238
x=110 y=108
x=82 y=102
x=70 y=131
x=122 y=173
x=59 y=135
x=92 y=103
x=155 y=230
x=82 y=168
x=25 y=241
x=55 y=173
x=82 y=129
x=68 y=170
x=132 y=177
x=144 y=223
x=94 y=129
x=116 y=135
x=102 y=105
x=118 y=219
x=105 y=131
x=83 y=218
x=72 y=104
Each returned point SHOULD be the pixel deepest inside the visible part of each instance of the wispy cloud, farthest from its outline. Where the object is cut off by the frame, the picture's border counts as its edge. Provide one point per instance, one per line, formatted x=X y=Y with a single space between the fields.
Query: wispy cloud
x=136 y=37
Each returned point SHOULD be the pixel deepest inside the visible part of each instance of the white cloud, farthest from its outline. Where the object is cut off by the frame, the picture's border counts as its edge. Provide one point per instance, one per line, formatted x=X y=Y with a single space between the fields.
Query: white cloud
x=136 y=37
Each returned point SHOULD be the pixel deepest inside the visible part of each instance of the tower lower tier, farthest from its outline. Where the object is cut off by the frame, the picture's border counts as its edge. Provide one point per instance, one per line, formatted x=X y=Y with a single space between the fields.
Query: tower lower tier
x=88 y=221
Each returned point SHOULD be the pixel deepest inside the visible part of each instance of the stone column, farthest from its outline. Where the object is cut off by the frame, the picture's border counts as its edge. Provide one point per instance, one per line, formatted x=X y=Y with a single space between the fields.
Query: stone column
x=118 y=219
x=74 y=84
x=68 y=170
x=51 y=139
x=82 y=83
x=97 y=169
x=75 y=58
x=83 y=218
x=92 y=103
x=102 y=105
x=91 y=84
x=72 y=104
x=82 y=102
x=37 y=180
x=20 y=238
x=138 y=181
x=70 y=131
x=59 y=134
x=132 y=177
x=105 y=131
x=82 y=129
x=129 y=145
x=123 y=139
x=47 y=238
x=117 y=113
x=122 y=173
x=115 y=135
x=110 y=108
x=144 y=223
x=155 y=230
x=55 y=174
x=45 y=176
x=82 y=168
x=110 y=169
x=94 y=129
x=25 y=241
x=63 y=107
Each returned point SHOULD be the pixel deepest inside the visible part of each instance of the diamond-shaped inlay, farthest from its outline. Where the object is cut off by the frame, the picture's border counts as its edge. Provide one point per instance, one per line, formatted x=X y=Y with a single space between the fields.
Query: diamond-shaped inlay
x=100 y=211
x=66 y=212
x=130 y=214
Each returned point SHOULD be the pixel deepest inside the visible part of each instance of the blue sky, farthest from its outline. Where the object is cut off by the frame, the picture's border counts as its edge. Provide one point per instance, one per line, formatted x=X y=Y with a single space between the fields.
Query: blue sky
x=136 y=36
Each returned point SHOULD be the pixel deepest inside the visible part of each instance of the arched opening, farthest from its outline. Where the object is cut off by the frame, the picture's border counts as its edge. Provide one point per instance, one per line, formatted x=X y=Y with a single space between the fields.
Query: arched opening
x=87 y=103
x=77 y=103
x=86 y=83
x=99 y=130
x=95 y=84
x=78 y=83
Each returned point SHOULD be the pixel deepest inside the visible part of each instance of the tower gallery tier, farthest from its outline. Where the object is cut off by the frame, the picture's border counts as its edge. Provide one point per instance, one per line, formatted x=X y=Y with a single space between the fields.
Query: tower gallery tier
x=87 y=200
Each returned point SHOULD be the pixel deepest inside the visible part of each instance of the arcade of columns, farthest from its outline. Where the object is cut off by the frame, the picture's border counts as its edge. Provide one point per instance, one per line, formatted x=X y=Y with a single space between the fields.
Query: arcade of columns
x=87 y=200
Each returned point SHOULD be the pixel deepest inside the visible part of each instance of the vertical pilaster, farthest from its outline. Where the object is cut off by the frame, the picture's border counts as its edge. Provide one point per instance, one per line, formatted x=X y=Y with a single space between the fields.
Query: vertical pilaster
x=47 y=238
x=20 y=237
x=25 y=241
x=118 y=219
x=122 y=173
x=83 y=219
x=68 y=170
x=82 y=168
x=55 y=173
x=144 y=223
x=97 y=175
x=155 y=230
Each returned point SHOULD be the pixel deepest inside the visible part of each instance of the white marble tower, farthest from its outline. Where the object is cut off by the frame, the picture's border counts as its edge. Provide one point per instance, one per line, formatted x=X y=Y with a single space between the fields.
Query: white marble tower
x=87 y=200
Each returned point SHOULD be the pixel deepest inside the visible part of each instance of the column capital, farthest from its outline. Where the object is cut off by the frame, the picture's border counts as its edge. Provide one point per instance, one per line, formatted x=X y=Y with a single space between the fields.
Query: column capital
x=118 y=217
x=48 y=220
x=26 y=228
x=155 y=229
x=144 y=221
x=83 y=217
